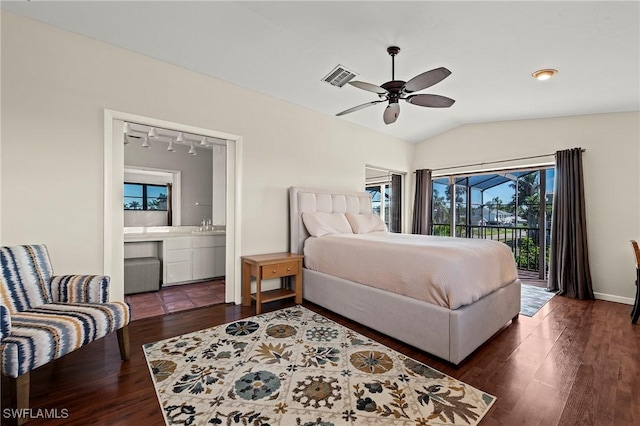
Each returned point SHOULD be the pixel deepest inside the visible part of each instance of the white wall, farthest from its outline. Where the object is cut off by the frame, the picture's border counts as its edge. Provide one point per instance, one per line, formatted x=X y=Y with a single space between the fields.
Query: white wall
x=55 y=87
x=611 y=178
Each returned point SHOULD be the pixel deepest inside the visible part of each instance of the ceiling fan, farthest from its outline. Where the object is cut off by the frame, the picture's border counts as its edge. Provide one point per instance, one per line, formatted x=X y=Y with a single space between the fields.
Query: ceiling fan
x=395 y=90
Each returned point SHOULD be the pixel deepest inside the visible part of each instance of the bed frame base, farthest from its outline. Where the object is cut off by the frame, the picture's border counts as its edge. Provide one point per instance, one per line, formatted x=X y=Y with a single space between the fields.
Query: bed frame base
x=450 y=335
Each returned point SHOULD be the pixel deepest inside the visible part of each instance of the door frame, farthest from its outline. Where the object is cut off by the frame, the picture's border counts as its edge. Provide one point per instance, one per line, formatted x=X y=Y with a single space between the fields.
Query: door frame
x=114 y=216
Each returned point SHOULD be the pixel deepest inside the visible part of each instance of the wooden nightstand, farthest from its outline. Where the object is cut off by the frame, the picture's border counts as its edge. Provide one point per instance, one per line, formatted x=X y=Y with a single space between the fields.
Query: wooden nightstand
x=267 y=266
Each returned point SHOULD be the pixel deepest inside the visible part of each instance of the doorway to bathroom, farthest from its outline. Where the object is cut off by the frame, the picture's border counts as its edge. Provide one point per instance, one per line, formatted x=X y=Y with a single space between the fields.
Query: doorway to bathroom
x=122 y=129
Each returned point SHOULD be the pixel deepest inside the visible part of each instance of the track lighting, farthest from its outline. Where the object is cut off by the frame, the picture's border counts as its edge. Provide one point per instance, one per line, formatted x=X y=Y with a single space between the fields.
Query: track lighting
x=127 y=130
x=156 y=135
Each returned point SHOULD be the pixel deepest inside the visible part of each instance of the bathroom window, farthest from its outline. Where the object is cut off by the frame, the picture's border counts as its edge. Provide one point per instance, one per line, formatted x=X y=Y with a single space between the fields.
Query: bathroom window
x=144 y=196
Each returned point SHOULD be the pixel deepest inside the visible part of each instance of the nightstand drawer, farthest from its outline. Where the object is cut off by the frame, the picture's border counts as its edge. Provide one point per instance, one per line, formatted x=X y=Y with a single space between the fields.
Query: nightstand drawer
x=279 y=270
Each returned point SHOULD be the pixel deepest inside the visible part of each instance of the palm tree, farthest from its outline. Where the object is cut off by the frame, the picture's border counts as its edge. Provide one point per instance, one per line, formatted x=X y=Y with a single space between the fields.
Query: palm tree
x=497 y=202
x=134 y=205
x=439 y=208
x=528 y=197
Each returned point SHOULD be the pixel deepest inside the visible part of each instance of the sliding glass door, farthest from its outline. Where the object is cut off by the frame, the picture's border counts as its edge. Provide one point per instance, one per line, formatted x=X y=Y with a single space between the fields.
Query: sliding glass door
x=385 y=187
x=511 y=206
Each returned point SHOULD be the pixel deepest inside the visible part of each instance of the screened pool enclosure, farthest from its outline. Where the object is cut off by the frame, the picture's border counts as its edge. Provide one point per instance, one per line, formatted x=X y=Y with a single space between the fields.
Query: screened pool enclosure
x=513 y=207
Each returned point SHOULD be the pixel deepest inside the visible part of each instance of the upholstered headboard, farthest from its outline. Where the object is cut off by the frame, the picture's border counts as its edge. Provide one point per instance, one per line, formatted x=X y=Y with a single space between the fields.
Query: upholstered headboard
x=303 y=200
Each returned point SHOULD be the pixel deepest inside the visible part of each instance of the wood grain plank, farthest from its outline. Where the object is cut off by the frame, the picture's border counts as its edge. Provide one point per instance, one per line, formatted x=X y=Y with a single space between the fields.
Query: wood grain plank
x=574 y=363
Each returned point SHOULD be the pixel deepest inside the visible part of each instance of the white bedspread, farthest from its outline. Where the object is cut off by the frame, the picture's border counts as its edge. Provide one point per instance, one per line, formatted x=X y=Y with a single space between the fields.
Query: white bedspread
x=445 y=271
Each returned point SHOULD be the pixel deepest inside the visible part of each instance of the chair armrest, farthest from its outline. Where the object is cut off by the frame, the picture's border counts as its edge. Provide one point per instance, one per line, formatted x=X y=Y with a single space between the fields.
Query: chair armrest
x=80 y=288
x=5 y=322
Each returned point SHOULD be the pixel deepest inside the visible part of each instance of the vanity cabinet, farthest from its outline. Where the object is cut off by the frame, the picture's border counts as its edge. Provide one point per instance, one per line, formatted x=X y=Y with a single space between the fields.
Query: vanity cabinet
x=184 y=256
x=193 y=258
x=177 y=259
x=208 y=256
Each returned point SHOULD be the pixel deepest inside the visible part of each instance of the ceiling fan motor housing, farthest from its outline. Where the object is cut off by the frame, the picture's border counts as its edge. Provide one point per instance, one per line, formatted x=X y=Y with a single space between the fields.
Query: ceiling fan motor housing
x=394 y=88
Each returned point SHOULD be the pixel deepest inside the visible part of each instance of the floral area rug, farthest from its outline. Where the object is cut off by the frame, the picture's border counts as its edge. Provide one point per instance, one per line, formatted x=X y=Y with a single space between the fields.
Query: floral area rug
x=294 y=367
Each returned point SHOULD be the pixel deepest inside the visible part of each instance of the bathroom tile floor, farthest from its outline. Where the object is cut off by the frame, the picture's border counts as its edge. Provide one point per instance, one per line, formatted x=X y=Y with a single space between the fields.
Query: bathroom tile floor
x=176 y=298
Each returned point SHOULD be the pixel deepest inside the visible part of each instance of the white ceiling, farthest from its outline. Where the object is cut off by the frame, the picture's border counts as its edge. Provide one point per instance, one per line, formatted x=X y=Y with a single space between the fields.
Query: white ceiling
x=283 y=49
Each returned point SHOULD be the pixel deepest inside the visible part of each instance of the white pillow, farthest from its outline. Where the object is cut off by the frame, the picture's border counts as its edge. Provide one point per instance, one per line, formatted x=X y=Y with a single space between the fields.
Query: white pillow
x=365 y=223
x=319 y=224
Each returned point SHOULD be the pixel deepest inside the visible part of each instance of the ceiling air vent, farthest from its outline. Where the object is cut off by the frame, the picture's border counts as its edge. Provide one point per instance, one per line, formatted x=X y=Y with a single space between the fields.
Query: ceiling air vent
x=339 y=76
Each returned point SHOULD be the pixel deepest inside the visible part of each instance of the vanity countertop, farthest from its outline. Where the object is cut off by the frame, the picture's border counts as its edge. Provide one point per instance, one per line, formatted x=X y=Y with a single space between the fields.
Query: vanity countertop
x=158 y=233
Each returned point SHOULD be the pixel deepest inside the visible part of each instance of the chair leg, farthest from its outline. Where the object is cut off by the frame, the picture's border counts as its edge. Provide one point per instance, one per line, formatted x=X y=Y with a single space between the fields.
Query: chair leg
x=19 y=389
x=123 y=342
x=635 y=313
x=636 y=308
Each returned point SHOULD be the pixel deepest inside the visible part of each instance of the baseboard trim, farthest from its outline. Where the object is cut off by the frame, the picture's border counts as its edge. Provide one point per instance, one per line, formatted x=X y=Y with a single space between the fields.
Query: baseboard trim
x=614 y=298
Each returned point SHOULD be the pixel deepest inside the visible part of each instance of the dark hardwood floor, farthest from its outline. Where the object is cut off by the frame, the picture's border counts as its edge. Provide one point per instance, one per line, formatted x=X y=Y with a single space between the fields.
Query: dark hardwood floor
x=573 y=363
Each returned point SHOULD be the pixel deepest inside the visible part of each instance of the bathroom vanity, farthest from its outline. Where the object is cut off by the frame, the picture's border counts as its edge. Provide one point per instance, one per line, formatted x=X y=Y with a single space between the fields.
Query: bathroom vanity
x=185 y=254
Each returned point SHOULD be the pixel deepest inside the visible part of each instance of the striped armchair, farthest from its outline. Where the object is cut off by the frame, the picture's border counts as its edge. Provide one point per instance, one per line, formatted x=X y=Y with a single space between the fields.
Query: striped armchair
x=43 y=317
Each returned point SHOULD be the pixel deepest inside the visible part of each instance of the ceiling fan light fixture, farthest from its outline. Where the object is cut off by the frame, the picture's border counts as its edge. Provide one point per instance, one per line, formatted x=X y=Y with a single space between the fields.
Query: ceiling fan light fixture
x=391 y=113
x=544 y=74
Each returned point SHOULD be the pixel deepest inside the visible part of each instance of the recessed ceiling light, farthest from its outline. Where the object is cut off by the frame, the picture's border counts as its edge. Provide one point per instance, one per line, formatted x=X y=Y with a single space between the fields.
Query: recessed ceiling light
x=545 y=74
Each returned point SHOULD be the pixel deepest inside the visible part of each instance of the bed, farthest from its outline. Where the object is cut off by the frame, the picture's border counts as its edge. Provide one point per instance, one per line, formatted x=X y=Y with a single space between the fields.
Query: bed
x=451 y=328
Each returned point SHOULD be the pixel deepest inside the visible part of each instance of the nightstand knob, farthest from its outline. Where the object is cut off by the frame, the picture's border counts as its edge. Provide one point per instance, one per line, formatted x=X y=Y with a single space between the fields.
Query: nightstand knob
x=274 y=271
x=288 y=269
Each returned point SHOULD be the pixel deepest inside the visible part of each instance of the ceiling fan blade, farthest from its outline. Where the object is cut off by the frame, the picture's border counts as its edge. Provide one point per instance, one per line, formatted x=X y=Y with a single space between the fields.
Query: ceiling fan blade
x=369 y=87
x=433 y=101
x=359 y=107
x=391 y=113
x=426 y=79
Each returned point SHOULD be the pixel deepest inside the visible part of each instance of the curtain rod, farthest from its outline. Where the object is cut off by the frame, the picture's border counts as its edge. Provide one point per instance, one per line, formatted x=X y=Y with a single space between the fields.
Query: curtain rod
x=498 y=161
